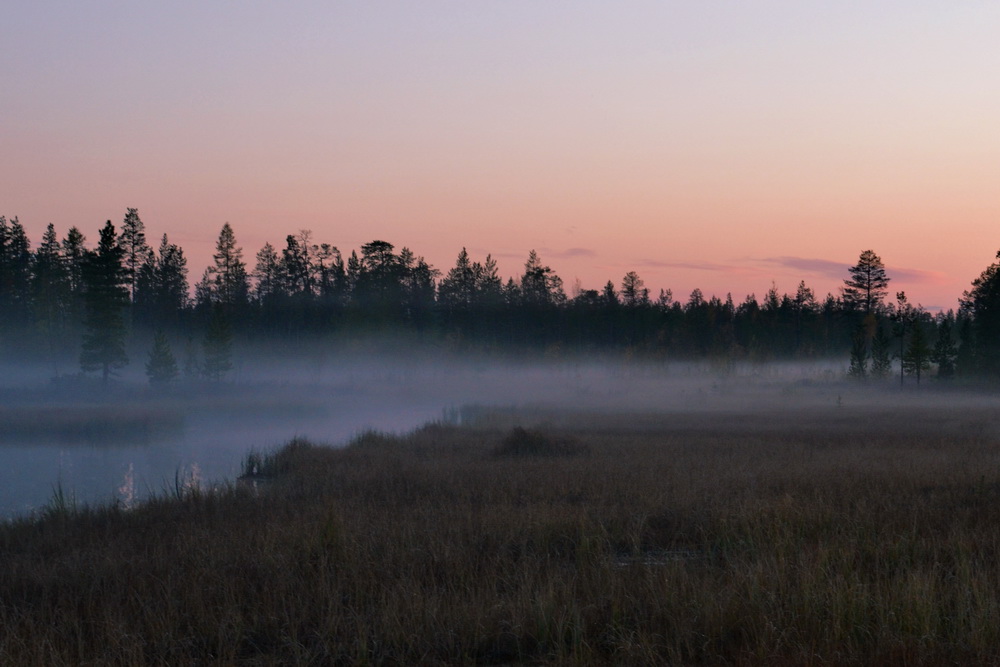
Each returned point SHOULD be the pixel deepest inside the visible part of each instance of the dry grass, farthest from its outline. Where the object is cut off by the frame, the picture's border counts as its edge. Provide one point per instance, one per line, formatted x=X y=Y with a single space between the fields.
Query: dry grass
x=847 y=535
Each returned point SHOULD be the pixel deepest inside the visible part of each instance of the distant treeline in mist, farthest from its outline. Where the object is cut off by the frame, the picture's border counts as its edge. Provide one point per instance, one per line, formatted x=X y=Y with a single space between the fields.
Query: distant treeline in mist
x=65 y=298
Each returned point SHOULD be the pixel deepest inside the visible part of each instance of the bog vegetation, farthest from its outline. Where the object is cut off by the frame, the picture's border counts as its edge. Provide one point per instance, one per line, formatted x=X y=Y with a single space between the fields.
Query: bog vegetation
x=850 y=532
x=62 y=300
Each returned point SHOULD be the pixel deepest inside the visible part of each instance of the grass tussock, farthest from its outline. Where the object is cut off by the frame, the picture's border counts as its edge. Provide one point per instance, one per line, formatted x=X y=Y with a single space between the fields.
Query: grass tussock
x=830 y=538
x=527 y=442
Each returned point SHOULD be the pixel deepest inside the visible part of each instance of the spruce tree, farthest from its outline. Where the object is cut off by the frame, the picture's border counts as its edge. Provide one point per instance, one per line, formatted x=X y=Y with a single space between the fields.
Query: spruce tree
x=15 y=276
x=106 y=298
x=51 y=292
x=945 y=351
x=858 y=369
x=229 y=283
x=267 y=276
x=965 y=359
x=917 y=357
x=217 y=346
x=74 y=251
x=457 y=289
x=881 y=354
x=170 y=287
x=981 y=305
x=161 y=367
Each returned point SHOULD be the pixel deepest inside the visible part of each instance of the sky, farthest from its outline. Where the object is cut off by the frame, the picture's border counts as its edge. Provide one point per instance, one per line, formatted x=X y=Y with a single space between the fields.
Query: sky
x=716 y=145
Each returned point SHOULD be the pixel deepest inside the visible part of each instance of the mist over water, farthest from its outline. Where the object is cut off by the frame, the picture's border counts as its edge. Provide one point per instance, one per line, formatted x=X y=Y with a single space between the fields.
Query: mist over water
x=90 y=440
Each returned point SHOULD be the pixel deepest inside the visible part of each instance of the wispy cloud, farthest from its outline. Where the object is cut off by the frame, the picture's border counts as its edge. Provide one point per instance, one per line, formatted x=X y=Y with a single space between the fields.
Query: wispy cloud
x=819 y=267
x=916 y=275
x=696 y=266
x=838 y=270
x=547 y=253
x=568 y=253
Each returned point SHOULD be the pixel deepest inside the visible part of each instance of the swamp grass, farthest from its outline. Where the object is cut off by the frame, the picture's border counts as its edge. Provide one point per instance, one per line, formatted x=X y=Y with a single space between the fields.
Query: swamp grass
x=834 y=536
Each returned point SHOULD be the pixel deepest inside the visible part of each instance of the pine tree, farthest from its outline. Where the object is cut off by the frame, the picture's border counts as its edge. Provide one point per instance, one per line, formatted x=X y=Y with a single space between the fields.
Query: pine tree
x=161 y=367
x=903 y=319
x=634 y=292
x=868 y=283
x=106 y=298
x=134 y=248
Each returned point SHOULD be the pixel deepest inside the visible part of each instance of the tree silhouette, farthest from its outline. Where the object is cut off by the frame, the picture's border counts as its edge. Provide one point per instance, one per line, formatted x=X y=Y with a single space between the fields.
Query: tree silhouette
x=217 y=346
x=881 y=354
x=945 y=351
x=229 y=284
x=868 y=283
x=162 y=287
x=858 y=368
x=106 y=297
x=267 y=275
x=132 y=240
x=982 y=303
x=161 y=367
x=903 y=318
x=634 y=292
x=51 y=292
x=917 y=357
x=15 y=275
x=540 y=286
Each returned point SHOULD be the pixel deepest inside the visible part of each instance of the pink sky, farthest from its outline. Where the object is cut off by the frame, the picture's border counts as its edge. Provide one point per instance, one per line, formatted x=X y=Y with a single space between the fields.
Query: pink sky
x=700 y=144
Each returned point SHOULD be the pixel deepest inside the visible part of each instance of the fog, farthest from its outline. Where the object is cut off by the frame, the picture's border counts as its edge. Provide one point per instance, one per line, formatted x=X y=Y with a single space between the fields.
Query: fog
x=102 y=444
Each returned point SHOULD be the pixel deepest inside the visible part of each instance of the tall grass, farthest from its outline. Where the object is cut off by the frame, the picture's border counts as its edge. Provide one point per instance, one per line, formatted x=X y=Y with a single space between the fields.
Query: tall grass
x=839 y=536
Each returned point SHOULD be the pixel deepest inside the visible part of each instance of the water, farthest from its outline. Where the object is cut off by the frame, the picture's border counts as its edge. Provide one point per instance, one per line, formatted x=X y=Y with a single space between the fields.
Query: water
x=147 y=444
x=100 y=444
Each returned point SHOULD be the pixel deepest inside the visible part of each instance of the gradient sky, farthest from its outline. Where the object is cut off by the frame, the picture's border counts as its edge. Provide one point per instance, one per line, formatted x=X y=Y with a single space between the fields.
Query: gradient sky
x=718 y=145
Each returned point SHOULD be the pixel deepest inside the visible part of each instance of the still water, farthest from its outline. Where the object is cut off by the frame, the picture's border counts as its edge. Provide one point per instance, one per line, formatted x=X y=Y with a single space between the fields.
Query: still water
x=101 y=444
x=105 y=449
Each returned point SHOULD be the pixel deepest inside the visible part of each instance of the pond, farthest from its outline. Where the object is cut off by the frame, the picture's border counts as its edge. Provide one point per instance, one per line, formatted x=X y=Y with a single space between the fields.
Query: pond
x=118 y=448
x=102 y=444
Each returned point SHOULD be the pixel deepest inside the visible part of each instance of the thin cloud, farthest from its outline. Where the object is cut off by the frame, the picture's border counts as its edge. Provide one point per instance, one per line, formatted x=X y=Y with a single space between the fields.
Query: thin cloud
x=820 y=267
x=915 y=275
x=546 y=253
x=838 y=270
x=568 y=253
x=696 y=266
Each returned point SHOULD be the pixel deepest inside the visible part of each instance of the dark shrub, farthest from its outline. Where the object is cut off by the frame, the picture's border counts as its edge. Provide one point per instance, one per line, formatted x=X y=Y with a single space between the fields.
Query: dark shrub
x=522 y=442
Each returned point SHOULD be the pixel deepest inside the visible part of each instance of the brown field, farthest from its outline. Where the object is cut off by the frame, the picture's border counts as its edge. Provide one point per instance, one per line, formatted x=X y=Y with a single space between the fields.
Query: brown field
x=864 y=532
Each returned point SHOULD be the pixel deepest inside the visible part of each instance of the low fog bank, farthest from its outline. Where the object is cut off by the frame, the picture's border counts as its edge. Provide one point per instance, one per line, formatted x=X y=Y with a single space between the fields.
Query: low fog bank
x=95 y=440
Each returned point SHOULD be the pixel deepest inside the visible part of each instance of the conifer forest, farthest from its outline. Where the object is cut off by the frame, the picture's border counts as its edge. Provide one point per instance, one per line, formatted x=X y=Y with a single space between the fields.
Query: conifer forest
x=90 y=299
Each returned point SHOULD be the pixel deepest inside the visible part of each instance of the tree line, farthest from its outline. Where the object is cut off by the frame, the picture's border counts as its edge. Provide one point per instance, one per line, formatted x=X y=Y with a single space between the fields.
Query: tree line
x=64 y=297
